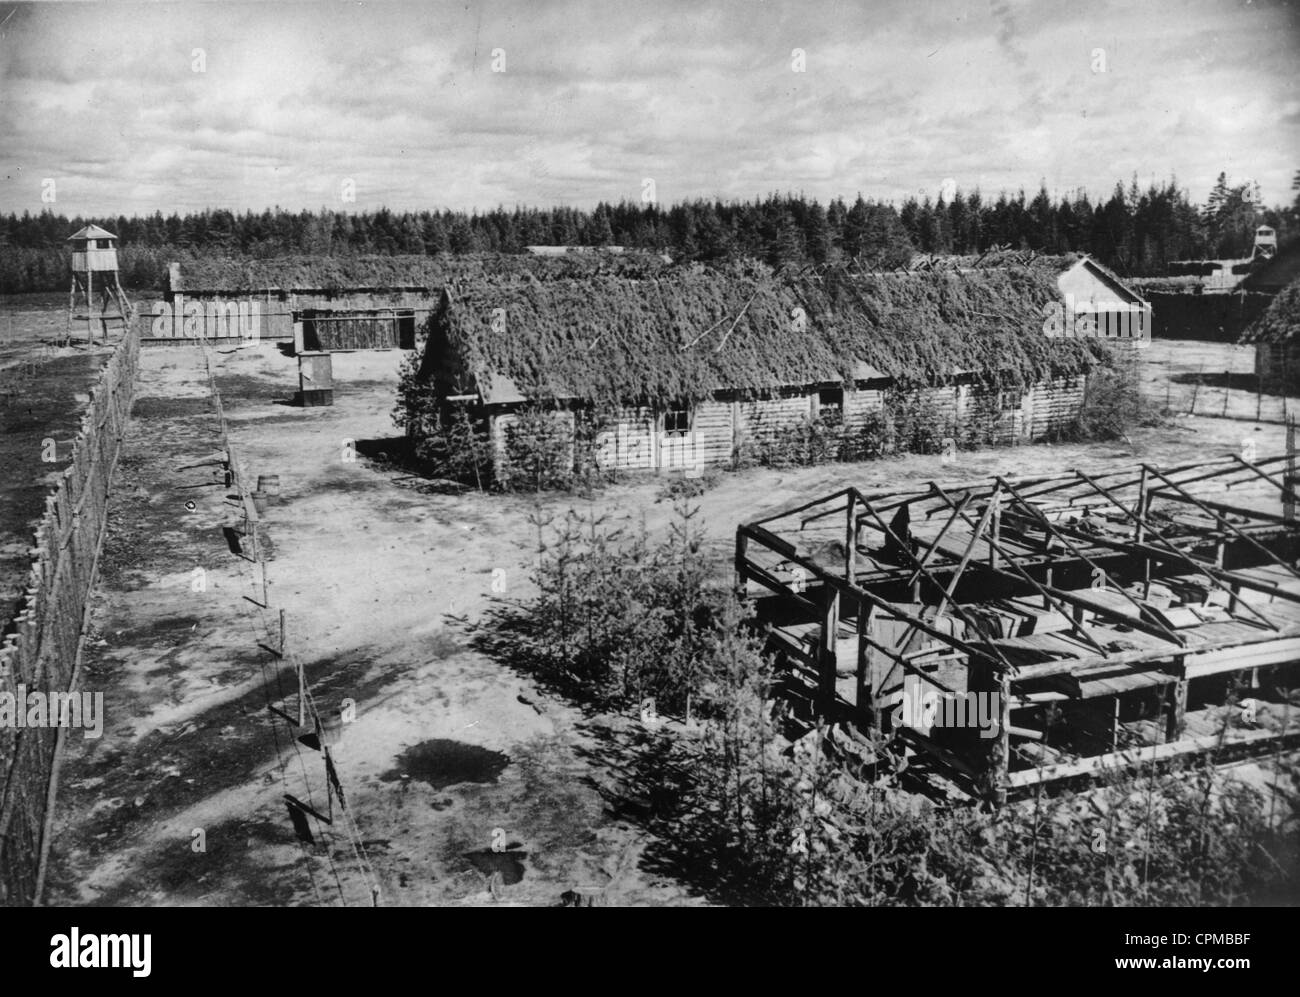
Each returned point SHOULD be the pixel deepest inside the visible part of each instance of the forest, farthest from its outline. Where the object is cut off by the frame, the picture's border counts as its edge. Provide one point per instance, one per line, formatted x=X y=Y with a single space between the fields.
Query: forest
x=1136 y=232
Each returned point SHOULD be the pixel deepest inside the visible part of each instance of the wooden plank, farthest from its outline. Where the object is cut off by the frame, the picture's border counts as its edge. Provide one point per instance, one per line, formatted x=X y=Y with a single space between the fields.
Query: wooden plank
x=1140 y=756
x=770 y=540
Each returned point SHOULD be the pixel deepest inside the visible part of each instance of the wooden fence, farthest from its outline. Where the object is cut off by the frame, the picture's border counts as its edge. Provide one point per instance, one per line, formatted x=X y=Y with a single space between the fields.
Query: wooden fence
x=41 y=650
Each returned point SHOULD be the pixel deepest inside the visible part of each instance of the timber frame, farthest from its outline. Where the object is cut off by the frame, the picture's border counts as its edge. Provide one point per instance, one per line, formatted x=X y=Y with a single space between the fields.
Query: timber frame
x=1110 y=619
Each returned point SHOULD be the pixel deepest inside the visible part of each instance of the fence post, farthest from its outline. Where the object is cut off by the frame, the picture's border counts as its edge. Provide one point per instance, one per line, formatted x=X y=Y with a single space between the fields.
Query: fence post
x=1288 y=501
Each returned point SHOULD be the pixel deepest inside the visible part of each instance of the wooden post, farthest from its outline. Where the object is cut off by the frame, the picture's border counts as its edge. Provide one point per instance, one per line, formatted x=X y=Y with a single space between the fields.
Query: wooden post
x=302 y=696
x=742 y=546
x=1004 y=735
x=1001 y=767
x=1177 y=711
x=862 y=697
x=1288 y=501
x=1286 y=384
x=72 y=302
x=826 y=651
x=282 y=633
x=850 y=541
x=995 y=529
x=1139 y=532
x=735 y=429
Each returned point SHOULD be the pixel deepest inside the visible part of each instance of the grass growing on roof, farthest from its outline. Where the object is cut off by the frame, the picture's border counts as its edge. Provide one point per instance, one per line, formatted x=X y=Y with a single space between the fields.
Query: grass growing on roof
x=683 y=333
x=1281 y=321
x=244 y=274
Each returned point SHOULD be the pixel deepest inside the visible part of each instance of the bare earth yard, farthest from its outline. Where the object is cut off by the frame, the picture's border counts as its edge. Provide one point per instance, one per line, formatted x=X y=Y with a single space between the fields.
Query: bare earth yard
x=448 y=753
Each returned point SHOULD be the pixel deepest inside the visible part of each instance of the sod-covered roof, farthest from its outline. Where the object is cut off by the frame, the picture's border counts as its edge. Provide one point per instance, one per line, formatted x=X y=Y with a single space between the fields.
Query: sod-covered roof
x=689 y=332
x=340 y=273
x=1281 y=320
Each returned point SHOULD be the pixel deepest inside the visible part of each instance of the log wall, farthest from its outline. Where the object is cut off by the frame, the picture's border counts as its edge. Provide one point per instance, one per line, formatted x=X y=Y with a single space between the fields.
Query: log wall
x=41 y=647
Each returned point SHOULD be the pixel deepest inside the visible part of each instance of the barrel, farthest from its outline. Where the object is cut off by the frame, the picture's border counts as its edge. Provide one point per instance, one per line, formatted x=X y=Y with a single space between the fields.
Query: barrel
x=269 y=484
x=259 y=501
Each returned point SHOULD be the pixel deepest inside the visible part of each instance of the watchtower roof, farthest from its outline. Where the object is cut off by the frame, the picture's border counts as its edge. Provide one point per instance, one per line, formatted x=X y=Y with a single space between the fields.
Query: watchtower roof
x=90 y=232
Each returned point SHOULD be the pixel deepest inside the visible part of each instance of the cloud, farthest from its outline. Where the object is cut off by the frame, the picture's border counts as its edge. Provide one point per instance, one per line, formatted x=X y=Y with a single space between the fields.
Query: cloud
x=137 y=108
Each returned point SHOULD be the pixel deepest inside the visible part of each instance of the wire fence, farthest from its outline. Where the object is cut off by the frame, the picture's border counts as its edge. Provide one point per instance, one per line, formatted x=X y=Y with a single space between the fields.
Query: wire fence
x=302 y=791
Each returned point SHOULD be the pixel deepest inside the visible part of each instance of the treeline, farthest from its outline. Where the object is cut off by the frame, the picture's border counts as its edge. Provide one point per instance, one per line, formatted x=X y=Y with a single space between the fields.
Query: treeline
x=1135 y=231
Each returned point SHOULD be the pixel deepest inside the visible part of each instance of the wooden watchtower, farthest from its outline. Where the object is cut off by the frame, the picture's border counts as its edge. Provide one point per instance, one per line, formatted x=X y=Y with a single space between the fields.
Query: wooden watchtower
x=94 y=259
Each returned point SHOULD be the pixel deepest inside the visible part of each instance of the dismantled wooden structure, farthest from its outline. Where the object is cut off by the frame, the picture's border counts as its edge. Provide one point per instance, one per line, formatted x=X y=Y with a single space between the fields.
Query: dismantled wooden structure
x=1014 y=632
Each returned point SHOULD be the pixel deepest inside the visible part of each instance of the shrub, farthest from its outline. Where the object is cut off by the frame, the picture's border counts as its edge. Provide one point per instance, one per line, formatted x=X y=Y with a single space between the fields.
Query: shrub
x=682 y=487
x=539 y=449
x=750 y=818
x=615 y=618
x=1113 y=406
x=457 y=447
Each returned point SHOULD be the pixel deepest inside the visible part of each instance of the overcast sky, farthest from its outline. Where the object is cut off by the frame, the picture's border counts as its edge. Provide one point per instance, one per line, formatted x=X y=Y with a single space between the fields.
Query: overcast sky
x=134 y=108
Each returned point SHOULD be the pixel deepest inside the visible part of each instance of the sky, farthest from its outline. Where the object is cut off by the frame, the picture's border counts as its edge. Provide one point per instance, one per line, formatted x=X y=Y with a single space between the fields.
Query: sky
x=125 y=108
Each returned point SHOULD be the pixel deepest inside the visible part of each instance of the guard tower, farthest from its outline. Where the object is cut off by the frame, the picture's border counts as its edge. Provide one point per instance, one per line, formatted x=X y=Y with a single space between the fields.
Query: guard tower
x=94 y=261
x=1265 y=243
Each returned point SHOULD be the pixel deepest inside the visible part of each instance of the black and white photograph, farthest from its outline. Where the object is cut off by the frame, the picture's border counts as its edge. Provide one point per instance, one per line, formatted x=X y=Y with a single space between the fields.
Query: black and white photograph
x=629 y=454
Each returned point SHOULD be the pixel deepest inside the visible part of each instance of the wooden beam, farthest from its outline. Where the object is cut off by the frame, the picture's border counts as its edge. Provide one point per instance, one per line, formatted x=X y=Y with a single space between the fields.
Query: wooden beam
x=1133 y=757
x=770 y=540
x=768 y=580
x=1224 y=507
x=1233 y=529
x=816 y=570
x=784 y=513
x=850 y=542
x=1181 y=556
x=1092 y=564
x=966 y=618
x=826 y=665
x=961 y=567
x=1045 y=590
x=1284 y=490
x=916 y=573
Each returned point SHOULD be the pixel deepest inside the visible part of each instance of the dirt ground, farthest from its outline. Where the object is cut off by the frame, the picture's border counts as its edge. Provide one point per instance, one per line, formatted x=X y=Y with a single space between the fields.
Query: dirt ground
x=182 y=800
x=44 y=391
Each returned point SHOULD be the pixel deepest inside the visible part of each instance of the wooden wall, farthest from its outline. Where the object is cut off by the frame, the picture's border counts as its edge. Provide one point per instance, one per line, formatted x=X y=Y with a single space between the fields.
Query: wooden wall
x=1052 y=405
x=763 y=420
x=714 y=431
x=349 y=332
x=721 y=427
x=1278 y=366
x=276 y=311
x=630 y=446
x=42 y=644
x=860 y=403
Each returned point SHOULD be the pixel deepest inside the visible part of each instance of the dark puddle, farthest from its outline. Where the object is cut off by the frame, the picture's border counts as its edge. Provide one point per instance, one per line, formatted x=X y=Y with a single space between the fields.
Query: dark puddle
x=441 y=762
